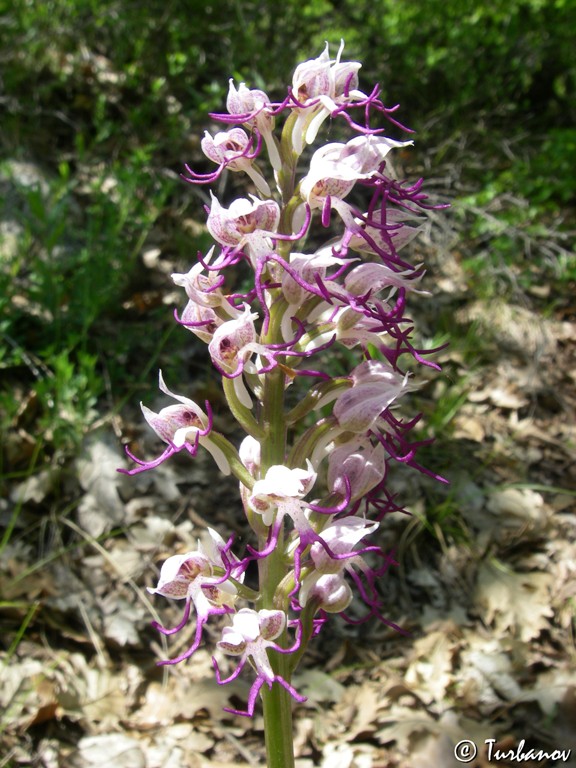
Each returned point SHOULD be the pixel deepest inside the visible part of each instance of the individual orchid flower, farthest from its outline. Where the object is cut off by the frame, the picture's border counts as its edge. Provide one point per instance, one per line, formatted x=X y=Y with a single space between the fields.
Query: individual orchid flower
x=204 y=289
x=384 y=233
x=246 y=224
x=191 y=577
x=353 y=327
x=201 y=320
x=253 y=107
x=182 y=426
x=251 y=635
x=230 y=346
x=232 y=150
x=330 y=591
x=320 y=87
x=375 y=387
x=280 y=492
x=335 y=169
x=304 y=271
x=370 y=278
x=208 y=307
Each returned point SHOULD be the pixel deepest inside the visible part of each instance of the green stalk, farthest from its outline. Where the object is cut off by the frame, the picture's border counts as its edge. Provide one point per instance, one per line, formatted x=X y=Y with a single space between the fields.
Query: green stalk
x=278 y=727
x=241 y=413
x=276 y=701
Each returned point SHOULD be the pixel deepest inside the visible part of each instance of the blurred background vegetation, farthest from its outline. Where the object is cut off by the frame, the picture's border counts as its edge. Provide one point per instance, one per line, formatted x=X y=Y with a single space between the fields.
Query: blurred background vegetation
x=102 y=103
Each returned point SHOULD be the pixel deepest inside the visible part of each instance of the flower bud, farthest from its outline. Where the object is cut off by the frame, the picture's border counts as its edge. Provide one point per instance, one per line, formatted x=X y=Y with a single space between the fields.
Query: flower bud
x=250 y=454
x=363 y=465
x=330 y=590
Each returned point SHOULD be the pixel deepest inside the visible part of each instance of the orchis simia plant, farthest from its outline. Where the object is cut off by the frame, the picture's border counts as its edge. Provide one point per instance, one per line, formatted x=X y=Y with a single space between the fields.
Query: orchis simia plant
x=312 y=468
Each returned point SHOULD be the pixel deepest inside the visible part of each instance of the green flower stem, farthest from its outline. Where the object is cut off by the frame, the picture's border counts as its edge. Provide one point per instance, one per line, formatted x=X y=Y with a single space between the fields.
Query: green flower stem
x=276 y=701
x=287 y=174
x=278 y=727
x=243 y=415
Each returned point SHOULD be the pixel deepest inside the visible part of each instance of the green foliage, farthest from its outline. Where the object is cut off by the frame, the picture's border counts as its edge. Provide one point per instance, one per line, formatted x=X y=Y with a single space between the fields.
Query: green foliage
x=74 y=250
x=518 y=221
x=547 y=179
x=451 y=55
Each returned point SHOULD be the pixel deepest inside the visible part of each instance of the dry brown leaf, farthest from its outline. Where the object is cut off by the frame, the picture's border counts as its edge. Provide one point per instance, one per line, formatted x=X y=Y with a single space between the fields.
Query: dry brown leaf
x=109 y=749
x=318 y=687
x=92 y=694
x=517 y=601
x=101 y=507
x=513 y=504
x=405 y=726
x=486 y=662
x=430 y=672
x=183 y=698
x=27 y=696
x=358 y=709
